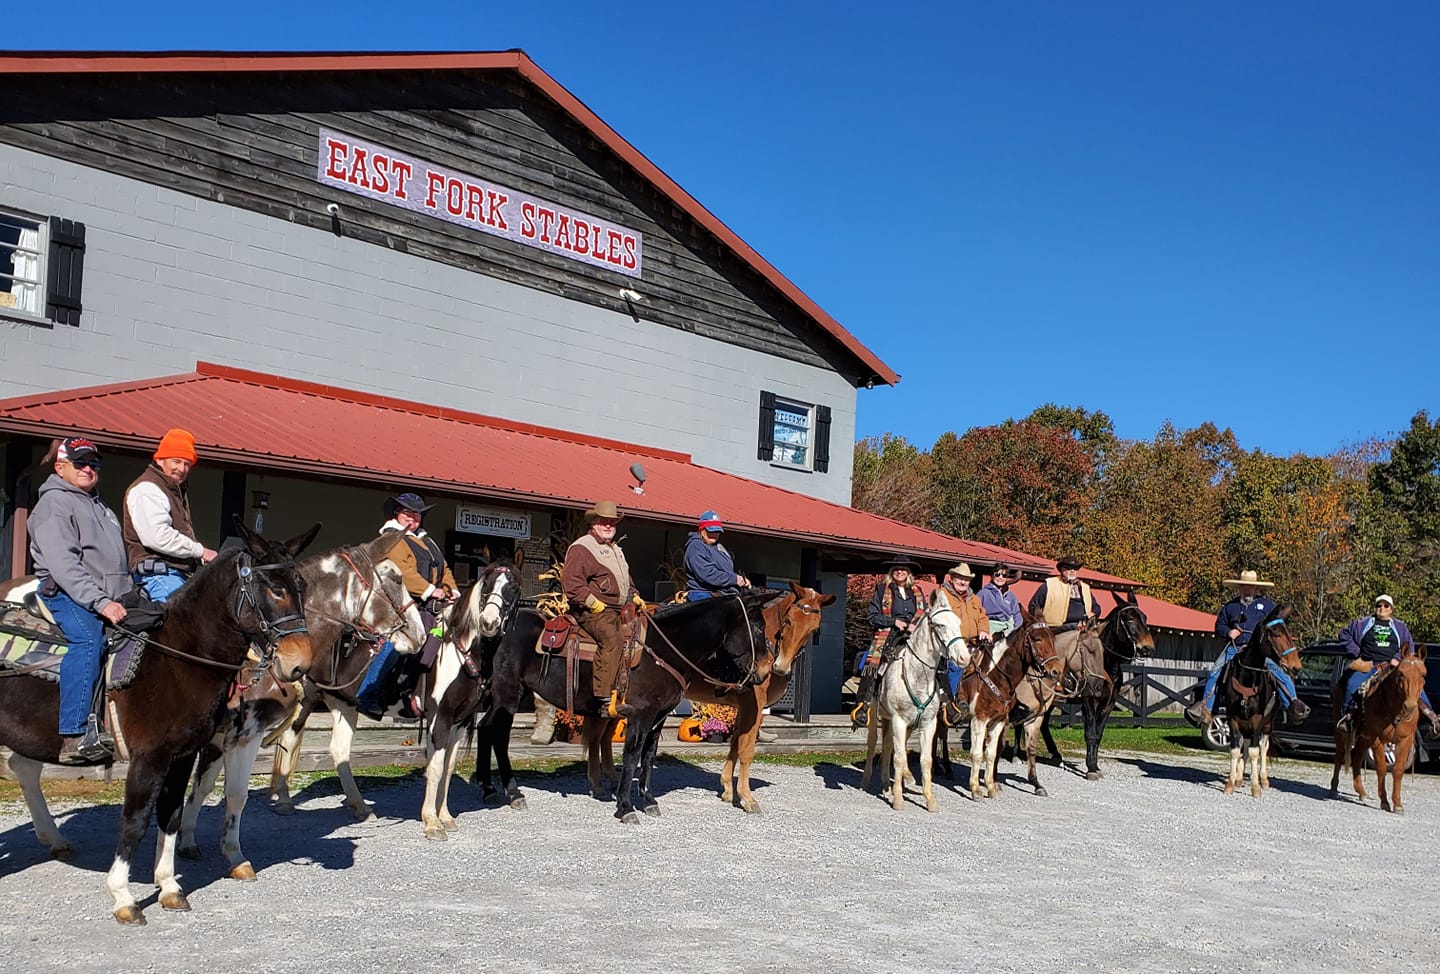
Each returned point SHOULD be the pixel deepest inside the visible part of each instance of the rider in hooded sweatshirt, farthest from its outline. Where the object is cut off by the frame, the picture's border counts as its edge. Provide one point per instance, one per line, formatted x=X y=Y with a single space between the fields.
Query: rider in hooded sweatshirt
x=709 y=567
x=79 y=555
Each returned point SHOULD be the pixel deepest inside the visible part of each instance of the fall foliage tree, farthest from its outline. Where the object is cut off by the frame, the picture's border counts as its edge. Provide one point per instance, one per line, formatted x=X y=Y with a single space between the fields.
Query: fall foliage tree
x=892 y=479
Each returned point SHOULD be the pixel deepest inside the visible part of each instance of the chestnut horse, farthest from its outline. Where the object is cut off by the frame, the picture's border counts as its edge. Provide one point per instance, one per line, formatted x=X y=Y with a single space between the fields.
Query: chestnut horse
x=355 y=599
x=249 y=595
x=1385 y=726
x=990 y=686
x=1250 y=697
x=789 y=624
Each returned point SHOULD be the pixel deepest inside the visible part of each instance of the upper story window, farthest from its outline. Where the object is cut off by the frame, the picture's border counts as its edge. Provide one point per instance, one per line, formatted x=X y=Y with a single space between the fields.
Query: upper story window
x=794 y=434
x=21 y=264
x=41 y=267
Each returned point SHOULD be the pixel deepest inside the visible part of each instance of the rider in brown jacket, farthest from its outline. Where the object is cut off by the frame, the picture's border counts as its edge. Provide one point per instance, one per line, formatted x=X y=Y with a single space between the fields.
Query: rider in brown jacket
x=596 y=581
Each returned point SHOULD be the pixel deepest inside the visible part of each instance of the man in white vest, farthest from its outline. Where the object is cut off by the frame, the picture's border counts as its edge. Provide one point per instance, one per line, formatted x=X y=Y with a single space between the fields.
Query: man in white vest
x=1064 y=602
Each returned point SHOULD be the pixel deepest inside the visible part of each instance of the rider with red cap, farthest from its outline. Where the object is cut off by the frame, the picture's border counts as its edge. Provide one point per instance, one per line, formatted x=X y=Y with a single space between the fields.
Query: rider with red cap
x=709 y=567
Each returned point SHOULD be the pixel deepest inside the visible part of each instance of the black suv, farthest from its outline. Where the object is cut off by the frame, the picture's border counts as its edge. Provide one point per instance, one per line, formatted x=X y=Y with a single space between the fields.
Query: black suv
x=1324 y=662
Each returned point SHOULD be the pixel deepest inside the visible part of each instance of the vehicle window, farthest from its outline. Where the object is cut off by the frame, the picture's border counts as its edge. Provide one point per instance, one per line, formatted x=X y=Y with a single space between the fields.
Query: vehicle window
x=1319 y=671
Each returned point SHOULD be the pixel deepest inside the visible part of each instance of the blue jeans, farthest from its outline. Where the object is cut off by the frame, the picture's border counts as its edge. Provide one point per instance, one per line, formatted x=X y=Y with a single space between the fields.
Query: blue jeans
x=160 y=587
x=1283 y=683
x=1357 y=679
x=80 y=666
x=377 y=676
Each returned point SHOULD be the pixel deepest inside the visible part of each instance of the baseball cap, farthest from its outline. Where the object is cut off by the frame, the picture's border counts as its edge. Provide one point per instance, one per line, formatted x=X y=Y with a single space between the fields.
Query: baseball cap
x=710 y=521
x=78 y=449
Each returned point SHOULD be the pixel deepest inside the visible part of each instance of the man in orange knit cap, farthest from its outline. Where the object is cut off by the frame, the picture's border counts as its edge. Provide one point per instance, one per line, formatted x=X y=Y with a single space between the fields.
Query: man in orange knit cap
x=160 y=541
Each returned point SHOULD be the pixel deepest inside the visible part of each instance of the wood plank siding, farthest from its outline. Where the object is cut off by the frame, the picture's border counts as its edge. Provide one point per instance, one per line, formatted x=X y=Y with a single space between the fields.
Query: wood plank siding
x=250 y=140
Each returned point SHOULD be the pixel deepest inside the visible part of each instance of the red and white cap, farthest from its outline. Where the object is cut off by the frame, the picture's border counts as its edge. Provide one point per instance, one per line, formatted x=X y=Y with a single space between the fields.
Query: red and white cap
x=710 y=521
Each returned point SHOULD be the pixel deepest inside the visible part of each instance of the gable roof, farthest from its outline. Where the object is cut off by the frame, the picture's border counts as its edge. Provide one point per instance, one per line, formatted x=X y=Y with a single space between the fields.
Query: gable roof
x=514 y=61
x=250 y=418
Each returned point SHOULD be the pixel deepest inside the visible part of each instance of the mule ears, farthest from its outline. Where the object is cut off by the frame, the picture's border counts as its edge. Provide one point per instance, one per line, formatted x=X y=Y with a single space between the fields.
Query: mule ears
x=802 y=592
x=300 y=542
x=519 y=558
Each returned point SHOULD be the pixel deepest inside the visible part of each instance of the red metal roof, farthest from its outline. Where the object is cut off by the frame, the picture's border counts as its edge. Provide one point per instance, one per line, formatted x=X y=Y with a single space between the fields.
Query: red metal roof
x=41 y=62
x=1158 y=613
x=251 y=418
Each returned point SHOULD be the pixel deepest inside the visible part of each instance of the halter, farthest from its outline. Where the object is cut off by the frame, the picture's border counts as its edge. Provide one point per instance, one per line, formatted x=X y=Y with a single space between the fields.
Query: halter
x=749 y=679
x=943 y=607
x=1134 y=644
x=369 y=633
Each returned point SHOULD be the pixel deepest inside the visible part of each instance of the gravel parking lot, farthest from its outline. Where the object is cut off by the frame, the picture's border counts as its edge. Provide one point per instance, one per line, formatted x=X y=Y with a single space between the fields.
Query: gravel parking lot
x=1151 y=869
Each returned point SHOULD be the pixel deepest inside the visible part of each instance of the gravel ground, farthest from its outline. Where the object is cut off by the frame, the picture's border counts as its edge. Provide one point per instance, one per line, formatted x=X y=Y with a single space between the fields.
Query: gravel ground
x=1151 y=869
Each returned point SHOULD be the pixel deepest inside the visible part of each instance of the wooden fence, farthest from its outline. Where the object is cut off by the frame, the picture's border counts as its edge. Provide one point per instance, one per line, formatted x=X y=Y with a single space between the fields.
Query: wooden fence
x=1146 y=690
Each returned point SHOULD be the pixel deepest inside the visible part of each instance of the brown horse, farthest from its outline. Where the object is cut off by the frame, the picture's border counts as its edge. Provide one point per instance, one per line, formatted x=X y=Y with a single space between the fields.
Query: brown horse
x=1385 y=724
x=789 y=624
x=249 y=595
x=1250 y=697
x=989 y=687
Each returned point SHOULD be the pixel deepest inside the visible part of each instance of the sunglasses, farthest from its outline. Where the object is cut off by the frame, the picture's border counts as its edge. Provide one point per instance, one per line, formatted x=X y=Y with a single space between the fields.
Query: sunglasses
x=86 y=464
x=1383 y=605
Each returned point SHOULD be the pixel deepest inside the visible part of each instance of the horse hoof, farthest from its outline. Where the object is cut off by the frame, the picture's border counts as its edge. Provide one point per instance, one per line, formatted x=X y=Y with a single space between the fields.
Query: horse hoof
x=629 y=818
x=130 y=915
x=750 y=806
x=932 y=806
x=1398 y=809
x=62 y=852
x=191 y=852
x=1041 y=792
x=519 y=803
x=436 y=834
x=1093 y=775
x=244 y=872
x=652 y=810
x=283 y=808
x=450 y=825
x=362 y=813
x=490 y=796
x=175 y=901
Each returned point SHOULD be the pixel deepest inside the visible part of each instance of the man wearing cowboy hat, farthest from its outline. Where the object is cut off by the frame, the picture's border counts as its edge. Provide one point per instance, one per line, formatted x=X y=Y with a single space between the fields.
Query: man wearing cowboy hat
x=1374 y=643
x=430 y=583
x=596 y=581
x=974 y=624
x=1064 y=602
x=1235 y=622
x=893 y=609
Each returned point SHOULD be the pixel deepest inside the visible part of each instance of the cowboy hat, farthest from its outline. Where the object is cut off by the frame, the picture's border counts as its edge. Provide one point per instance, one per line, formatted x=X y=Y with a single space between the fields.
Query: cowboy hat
x=408 y=501
x=962 y=569
x=1069 y=561
x=1248 y=577
x=605 y=509
x=902 y=561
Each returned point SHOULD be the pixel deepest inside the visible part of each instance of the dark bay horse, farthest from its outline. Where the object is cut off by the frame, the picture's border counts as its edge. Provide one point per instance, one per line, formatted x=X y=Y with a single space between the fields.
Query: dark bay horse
x=1385 y=727
x=355 y=599
x=1093 y=673
x=1250 y=697
x=335 y=689
x=249 y=595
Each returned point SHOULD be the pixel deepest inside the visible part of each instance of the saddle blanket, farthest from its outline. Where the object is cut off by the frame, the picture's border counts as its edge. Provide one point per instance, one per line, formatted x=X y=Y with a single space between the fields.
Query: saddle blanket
x=38 y=653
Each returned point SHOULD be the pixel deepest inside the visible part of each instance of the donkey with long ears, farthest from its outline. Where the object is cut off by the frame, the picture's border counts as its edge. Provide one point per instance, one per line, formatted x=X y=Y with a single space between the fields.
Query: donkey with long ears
x=251 y=595
x=464 y=620
x=355 y=599
x=1385 y=728
x=909 y=697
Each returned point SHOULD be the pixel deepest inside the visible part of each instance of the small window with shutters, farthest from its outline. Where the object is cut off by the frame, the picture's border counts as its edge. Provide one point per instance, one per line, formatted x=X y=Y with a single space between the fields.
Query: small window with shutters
x=41 y=268
x=794 y=434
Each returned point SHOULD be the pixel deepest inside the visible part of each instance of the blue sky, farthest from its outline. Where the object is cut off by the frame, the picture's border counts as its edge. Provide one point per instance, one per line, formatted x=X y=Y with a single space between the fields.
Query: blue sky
x=1174 y=211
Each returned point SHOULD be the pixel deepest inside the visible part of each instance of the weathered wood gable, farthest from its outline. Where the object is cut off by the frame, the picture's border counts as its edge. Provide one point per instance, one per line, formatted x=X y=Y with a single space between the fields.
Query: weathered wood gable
x=250 y=140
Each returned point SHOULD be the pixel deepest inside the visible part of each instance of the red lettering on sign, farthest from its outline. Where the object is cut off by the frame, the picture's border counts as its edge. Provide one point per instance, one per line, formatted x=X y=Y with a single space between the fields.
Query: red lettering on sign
x=527 y=220
x=380 y=165
x=336 y=151
x=629 y=261
x=612 y=254
x=497 y=218
x=403 y=171
x=474 y=203
x=597 y=241
x=582 y=236
x=454 y=196
x=357 y=175
x=547 y=218
x=436 y=183
x=562 y=232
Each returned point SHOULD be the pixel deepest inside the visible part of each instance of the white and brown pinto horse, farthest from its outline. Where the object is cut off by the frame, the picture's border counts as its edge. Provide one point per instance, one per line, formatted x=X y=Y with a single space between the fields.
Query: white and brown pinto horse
x=355 y=599
x=989 y=688
x=909 y=697
x=473 y=613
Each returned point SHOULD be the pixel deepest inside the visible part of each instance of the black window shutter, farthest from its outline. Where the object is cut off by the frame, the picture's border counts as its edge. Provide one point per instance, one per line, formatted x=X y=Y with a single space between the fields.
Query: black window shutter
x=64 y=271
x=822 y=439
x=767 y=426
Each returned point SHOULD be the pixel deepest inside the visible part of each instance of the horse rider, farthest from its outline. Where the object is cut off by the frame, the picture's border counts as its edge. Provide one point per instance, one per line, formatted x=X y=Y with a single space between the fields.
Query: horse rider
x=1235 y=621
x=430 y=583
x=79 y=554
x=1374 y=643
x=709 y=566
x=974 y=624
x=1064 y=602
x=1000 y=604
x=596 y=578
x=896 y=604
x=160 y=541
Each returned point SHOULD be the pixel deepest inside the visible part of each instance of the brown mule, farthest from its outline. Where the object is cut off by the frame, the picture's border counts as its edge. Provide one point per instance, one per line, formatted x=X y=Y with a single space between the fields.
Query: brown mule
x=1387 y=722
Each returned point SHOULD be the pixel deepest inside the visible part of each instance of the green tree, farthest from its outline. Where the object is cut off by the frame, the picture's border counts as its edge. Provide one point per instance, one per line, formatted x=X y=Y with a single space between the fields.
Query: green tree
x=1403 y=514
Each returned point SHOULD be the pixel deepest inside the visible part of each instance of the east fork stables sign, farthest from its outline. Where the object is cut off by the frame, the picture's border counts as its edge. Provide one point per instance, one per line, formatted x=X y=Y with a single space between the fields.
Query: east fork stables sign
x=373 y=171
x=485 y=520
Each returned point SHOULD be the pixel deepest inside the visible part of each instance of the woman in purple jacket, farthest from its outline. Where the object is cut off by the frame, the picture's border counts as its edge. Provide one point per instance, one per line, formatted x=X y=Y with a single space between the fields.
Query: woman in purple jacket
x=1374 y=643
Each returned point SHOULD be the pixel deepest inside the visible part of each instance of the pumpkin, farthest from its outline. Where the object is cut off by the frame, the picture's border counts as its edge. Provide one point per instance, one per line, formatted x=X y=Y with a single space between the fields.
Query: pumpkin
x=690 y=730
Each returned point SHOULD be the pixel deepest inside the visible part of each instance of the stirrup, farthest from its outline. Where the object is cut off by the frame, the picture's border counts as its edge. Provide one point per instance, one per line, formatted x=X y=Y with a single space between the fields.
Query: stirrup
x=859 y=715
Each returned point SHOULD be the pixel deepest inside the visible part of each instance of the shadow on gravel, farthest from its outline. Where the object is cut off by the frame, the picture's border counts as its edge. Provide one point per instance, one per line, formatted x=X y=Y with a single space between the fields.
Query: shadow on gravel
x=1172 y=772
x=1303 y=788
x=93 y=831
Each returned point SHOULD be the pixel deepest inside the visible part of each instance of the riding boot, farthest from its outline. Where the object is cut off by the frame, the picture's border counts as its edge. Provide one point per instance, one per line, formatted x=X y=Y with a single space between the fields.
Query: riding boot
x=544 y=731
x=1431 y=716
x=1198 y=714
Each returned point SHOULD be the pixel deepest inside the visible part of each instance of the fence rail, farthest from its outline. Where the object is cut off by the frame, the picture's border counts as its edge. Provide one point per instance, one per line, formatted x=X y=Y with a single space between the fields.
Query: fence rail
x=1142 y=694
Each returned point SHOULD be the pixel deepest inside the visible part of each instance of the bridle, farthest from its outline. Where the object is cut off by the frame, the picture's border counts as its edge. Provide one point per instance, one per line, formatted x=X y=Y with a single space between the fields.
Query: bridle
x=357 y=629
x=941 y=608
x=787 y=623
x=1129 y=636
x=752 y=675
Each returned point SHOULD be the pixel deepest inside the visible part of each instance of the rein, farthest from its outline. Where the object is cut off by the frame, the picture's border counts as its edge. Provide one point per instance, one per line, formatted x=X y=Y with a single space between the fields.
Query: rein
x=930 y=667
x=754 y=659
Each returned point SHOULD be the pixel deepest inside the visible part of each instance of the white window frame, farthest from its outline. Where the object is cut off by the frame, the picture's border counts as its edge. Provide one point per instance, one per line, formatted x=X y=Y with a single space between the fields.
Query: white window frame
x=785 y=448
x=41 y=225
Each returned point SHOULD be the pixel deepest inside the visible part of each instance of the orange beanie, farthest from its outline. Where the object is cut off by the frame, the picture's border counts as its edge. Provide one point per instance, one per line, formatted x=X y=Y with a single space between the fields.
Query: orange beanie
x=178 y=444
